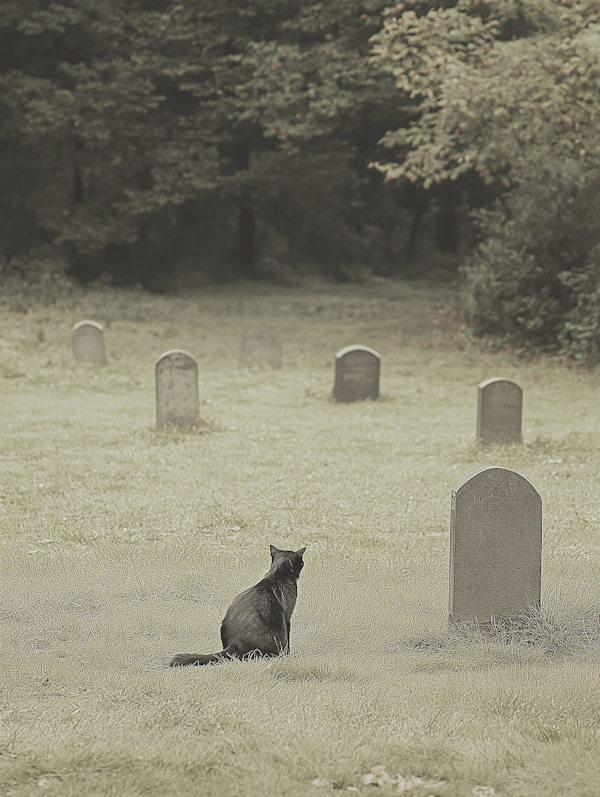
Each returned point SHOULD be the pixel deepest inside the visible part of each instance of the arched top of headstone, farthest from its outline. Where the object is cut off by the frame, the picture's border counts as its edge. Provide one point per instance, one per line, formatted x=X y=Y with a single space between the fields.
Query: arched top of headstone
x=357 y=347
x=489 y=471
x=88 y=342
x=496 y=379
x=182 y=358
x=92 y=324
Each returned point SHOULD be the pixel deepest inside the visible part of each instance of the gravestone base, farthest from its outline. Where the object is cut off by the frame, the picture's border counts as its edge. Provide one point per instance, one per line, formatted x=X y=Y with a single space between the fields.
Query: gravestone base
x=500 y=628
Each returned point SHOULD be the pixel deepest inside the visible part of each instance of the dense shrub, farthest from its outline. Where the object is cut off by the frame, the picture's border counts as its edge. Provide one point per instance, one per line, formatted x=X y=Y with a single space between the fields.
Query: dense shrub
x=580 y=333
x=38 y=276
x=534 y=277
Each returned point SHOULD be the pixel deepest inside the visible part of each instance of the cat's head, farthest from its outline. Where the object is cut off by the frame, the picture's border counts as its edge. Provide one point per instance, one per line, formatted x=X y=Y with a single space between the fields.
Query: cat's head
x=287 y=559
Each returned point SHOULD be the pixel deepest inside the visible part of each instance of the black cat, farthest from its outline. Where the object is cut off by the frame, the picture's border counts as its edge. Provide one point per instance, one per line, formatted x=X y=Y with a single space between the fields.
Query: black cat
x=258 y=620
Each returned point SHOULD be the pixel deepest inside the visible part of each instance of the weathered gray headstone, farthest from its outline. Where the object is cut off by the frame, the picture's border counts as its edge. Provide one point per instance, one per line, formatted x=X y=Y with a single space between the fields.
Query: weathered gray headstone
x=176 y=389
x=495 y=546
x=261 y=346
x=356 y=374
x=88 y=342
x=499 y=410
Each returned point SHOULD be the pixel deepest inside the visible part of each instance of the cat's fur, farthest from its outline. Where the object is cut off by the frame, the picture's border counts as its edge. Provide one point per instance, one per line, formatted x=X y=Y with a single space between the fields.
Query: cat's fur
x=258 y=620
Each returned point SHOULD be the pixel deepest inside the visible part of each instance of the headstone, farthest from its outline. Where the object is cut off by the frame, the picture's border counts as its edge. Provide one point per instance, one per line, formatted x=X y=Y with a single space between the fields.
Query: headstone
x=495 y=546
x=499 y=409
x=88 y=342
x=356 y=374
x=176 y=389
x=261 y=346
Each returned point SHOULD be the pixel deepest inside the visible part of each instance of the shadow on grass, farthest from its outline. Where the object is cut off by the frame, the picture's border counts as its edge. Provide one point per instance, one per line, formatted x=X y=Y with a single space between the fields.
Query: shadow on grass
x=289 y=670
x=577 y=446
x=576 y=443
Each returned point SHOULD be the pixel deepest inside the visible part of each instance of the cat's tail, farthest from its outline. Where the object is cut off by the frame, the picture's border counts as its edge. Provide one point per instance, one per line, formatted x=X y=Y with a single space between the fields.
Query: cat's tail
x=187 y=659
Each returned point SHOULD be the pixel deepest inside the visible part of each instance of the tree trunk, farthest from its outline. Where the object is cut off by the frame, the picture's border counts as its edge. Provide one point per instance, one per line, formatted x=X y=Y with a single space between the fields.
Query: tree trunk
x=247 y=241
x=414 y=229
x=77 y=187
x=446 y=222
x=246 y=222
x=77 y=193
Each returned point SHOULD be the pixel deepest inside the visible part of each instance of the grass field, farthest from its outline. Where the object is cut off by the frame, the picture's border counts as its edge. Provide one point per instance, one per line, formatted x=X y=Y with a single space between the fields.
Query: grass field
x=121 y=545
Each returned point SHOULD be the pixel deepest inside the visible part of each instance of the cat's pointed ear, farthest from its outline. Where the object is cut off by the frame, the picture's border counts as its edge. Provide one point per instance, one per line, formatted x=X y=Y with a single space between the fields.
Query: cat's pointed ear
x=300 y=552
x=273 y=550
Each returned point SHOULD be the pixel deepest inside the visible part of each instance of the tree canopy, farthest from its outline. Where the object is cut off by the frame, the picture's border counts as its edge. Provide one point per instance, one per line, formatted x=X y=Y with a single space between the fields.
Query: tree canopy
x=125 y=122
x=500 y=87
x=151 y=136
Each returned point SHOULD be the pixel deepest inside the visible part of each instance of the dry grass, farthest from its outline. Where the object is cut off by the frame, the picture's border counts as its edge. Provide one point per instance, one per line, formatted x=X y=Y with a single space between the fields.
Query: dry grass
x=122 y=545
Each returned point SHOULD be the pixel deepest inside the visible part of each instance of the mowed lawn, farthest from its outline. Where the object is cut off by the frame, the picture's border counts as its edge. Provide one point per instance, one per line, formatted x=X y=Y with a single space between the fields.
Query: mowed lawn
x=121 y=545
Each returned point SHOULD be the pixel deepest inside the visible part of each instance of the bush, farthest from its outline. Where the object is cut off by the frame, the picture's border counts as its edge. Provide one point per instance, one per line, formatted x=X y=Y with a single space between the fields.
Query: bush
x=533 y=280
x=580 y=333
x=39 y=276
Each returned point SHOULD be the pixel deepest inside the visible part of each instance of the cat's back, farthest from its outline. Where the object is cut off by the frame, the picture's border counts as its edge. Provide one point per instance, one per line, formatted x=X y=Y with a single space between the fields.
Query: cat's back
x=259 y=598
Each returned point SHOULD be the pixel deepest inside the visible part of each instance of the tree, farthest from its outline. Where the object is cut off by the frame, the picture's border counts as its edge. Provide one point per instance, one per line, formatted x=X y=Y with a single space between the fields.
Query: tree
x=98 y=145
x=534 y=276
x=142 y=135
x=299 y=97
x=510 y=91
x=499 y=86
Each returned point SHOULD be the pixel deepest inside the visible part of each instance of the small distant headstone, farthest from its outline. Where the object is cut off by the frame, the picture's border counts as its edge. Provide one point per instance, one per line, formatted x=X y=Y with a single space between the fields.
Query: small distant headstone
x=261 y=346
x=88 y=342
x=356 y=374
x=495 y=546
x=176 y=389
x=499 y=410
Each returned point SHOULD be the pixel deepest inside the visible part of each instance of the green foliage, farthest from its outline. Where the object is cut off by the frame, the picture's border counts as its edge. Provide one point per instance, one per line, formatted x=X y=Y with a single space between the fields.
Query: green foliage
x=534 y=276
x=38 y=275
x=119 y=122
x=580 y=333
x=498 y=87
x=502 y=89
x=305 y=199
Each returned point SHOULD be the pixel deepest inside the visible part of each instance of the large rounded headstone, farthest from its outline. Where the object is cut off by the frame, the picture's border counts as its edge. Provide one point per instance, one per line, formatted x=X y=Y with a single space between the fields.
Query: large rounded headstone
x=88 y=342
x=260 y=346
x=176 y=389
x=495 y=546
x=356 y=374
x=499 y=410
